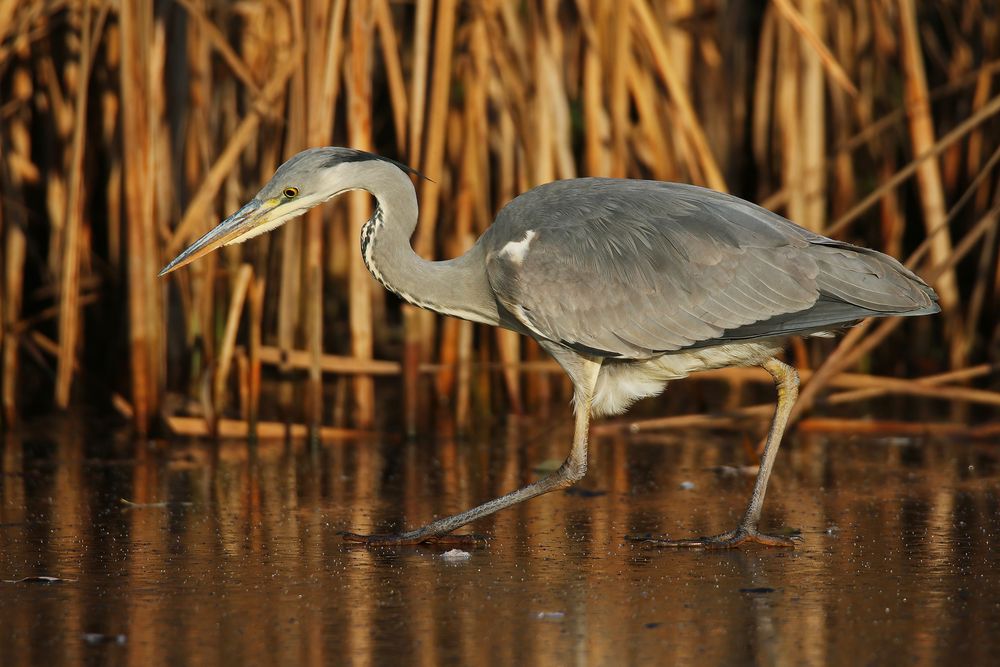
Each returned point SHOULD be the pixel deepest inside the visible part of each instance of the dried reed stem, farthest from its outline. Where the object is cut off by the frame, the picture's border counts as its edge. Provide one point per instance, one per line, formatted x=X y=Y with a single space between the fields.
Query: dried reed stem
x=805 y=28
x=359 y=96
x=16 y=169
x=956 y=134
x=645 y=24
x=69 y=307
x=328 y=363
x=198 y=216
x=931 y=190
x=256 y=308
x=488 y=99
x=854 y=345
x=194 y=427
x=393 y=70
x=243 y=277
x=884 y=427
x=145 y=321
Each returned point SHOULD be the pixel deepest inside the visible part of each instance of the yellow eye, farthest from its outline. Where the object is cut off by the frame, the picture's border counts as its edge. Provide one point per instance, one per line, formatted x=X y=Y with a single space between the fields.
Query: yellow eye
x=290 y=193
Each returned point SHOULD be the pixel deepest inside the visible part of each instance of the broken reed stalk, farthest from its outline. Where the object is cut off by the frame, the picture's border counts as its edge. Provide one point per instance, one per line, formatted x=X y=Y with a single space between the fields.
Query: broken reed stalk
x=887 y=427
x=863 y=387
x=195 y=427
x=256 y=311
x=329 y=363
x=243 y=277
x=961 y=375
x=243 y=385
x=290 y=287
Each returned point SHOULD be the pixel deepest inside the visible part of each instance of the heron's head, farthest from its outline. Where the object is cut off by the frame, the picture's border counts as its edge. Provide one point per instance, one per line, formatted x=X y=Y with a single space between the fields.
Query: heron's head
x=307 y=179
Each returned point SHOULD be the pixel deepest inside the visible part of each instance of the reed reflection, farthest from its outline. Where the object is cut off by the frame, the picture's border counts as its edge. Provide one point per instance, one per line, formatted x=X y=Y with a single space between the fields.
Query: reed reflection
x=229 y=554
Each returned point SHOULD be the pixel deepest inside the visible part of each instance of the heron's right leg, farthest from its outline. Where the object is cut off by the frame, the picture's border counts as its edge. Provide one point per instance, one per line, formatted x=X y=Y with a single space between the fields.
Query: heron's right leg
x=572 y=470
x=786 y=380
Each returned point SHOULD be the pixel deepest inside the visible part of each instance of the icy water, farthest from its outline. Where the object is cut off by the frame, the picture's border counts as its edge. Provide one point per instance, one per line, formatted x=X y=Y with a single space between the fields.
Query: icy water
x=229 y=555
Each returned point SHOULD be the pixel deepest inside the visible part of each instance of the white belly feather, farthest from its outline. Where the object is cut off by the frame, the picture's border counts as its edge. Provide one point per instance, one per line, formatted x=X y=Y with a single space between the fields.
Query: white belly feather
x=622 y=383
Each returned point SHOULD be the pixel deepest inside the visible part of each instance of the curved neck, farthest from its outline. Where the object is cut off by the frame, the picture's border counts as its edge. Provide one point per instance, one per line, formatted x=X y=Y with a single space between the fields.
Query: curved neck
x=457 y=287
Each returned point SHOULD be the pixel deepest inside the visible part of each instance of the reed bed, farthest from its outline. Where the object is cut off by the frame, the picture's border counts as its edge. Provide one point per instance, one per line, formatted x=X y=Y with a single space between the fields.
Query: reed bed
x=128 y=129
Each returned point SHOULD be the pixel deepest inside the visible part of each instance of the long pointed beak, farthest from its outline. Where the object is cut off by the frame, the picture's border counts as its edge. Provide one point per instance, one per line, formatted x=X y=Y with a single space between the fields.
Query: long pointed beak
x=230 y=229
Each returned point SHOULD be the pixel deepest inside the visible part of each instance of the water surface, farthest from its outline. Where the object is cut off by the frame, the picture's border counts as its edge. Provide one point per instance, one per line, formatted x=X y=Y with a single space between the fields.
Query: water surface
x=231 y=555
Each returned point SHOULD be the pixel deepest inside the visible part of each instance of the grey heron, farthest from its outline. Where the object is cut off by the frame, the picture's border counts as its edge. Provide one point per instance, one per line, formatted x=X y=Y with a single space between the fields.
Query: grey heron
x=628 y=284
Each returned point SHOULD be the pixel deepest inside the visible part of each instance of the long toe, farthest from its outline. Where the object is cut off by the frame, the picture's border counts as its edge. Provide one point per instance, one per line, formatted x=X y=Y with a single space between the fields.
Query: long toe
x=781 y=541
x=404 y=539
x=729 y=540
x=380 y=540
x=376 y=540
x=458 y=540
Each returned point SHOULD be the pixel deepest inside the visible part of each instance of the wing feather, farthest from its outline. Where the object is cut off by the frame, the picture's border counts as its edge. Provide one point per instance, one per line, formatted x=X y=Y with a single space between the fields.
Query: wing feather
x=635 y=268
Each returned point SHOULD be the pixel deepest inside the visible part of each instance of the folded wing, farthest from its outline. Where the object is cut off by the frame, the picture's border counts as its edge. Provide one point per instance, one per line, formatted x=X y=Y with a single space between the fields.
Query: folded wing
x=633 y=268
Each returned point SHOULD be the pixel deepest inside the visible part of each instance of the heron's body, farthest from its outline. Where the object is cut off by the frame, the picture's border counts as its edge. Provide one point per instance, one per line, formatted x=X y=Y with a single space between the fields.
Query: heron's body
x=627 y=283
x=658 y=279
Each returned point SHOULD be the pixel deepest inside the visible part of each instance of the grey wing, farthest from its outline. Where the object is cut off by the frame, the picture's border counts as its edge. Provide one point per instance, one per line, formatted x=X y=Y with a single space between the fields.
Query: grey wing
x=635 y=268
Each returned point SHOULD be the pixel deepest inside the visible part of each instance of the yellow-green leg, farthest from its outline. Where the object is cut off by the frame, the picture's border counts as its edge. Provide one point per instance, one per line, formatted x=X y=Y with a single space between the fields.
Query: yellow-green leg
x=786 y=379
x=572 y=470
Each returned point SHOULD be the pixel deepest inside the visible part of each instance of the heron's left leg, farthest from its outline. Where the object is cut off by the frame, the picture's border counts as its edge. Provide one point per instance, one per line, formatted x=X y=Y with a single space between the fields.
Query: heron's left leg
x=572 y=470
x=786 y=379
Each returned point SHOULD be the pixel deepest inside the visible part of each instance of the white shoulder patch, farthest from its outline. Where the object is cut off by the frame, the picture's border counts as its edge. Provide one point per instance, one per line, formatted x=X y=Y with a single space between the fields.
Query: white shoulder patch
x=516 y=251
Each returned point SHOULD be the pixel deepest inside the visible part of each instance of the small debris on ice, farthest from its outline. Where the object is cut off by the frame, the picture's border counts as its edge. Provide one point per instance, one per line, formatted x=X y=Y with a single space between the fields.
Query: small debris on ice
x=550 y=615
x=456 y=555
x=98 y=638
x=37 y=580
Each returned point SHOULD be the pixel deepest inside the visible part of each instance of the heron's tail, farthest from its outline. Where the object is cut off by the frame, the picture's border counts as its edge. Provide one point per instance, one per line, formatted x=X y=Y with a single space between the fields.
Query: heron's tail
x=874 y=283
